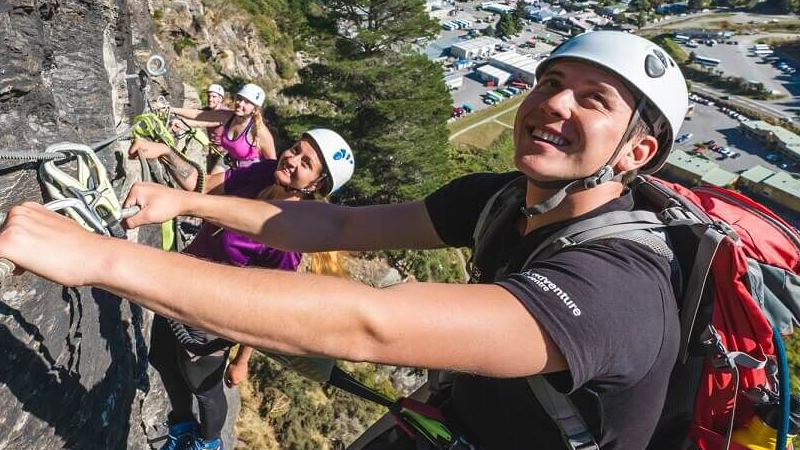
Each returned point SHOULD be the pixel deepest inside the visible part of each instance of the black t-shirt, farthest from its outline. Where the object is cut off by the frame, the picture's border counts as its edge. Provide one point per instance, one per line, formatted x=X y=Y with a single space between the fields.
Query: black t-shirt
x=609 y=307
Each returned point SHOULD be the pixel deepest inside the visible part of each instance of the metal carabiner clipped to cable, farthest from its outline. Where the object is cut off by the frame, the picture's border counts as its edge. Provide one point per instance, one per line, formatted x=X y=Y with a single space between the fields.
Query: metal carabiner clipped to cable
x=91 y=187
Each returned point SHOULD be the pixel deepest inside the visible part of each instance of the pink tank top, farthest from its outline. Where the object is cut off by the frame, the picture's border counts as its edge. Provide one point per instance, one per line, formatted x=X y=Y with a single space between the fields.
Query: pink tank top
x=239 y=149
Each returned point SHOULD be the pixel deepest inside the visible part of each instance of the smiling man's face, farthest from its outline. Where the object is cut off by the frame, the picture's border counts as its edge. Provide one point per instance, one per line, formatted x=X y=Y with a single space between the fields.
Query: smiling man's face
x=571 y=122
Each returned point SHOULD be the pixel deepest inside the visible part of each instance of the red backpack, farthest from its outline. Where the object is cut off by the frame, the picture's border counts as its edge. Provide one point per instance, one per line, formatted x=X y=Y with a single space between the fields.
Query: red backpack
x=737 y=281
x=756 y=260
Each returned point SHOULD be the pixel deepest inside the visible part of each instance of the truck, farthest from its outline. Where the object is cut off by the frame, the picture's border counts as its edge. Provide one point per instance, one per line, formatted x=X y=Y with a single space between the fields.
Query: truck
x=493 y=96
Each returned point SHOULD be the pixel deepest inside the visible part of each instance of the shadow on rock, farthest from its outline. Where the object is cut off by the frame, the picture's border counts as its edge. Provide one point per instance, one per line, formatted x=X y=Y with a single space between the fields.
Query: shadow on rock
x=80 y=402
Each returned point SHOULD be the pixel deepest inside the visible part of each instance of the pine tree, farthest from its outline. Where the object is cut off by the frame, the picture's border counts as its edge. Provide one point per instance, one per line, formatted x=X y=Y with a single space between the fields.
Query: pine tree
x=373 y=26
x=393 y=110
x=696 y=5
x=506 y=26
x=519 y=14
x=641 y=19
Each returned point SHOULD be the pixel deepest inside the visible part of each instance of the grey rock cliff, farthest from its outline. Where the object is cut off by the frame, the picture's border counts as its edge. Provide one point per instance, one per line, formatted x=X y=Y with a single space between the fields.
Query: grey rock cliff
x=73 y=362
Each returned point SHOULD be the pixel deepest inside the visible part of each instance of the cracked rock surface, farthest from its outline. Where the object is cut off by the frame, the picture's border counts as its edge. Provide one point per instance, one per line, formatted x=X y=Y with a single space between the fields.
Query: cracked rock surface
x=73 y=362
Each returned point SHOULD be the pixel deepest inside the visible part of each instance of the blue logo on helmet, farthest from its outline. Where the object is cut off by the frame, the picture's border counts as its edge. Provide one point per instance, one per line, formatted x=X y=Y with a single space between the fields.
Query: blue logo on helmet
x=343 y=154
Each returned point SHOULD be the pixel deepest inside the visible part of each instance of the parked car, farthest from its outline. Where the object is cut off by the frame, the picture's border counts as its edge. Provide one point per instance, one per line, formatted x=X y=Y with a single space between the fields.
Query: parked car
x=683 y=138
x=772 y=157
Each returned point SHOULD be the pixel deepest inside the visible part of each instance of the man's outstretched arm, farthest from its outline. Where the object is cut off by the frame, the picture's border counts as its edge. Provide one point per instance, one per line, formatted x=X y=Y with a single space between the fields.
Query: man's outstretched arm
x=303 y=226
x=458 y=327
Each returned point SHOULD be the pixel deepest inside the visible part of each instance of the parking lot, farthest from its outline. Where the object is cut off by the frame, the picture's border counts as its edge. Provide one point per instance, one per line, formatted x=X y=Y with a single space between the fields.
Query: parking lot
x=473 y=88
x=737 y=60
x=709 y=123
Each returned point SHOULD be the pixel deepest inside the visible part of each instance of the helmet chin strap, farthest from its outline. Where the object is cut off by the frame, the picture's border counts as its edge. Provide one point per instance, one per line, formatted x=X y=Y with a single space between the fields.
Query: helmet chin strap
x=603 y=174
x=306 y=190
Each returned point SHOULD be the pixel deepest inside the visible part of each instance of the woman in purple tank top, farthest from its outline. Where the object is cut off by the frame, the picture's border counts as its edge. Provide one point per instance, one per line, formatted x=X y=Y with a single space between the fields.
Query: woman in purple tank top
x=245 y=137
x=191 y=362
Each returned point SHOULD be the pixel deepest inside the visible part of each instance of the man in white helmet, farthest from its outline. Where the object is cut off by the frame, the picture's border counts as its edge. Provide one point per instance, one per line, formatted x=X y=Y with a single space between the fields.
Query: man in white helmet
x=599 y=319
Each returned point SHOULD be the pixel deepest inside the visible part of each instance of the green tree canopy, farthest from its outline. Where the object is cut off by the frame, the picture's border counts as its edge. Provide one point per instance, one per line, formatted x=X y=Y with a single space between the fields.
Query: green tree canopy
x=695 y=5
x=372 y=26
x=393 y=110
x=519 y=14
x=506 y=26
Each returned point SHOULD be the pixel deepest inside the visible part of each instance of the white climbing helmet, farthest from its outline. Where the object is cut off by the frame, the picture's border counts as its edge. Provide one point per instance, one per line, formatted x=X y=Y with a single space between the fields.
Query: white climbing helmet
x=252 y=93
x=643 y=65
x=216 y=89
x=339 y=158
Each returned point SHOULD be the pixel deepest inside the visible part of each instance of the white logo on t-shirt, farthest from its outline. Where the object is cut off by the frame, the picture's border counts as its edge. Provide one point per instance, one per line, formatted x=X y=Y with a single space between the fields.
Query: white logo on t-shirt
x=548 y=286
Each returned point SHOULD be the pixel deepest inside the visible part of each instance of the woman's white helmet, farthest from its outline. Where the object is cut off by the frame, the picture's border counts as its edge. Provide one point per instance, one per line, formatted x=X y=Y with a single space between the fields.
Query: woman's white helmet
x=252 y=93
x=337 y=155
x=216 y=89
x=643 y=65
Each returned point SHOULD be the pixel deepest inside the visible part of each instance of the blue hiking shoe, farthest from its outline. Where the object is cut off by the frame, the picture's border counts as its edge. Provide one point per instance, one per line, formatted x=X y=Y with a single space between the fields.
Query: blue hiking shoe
x=202 y=444
x=181 y=436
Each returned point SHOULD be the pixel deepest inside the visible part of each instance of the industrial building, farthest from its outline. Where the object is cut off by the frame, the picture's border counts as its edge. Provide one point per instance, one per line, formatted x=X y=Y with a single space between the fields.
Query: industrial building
x=522 y=67
x=482 y=46
x=453 y=81
x=491 y=73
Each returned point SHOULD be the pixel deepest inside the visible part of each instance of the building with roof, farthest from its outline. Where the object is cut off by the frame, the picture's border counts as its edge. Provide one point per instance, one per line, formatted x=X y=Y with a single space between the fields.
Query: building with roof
x=522 y=67
x=613 y=10
x=491 y=73
x=482 y=46
x=453 y=81
x=540 y=15
x=780 y=187
x=781 y=139
x=578 y=22
x=431 y=5
x=497 y=8
x=696 y=170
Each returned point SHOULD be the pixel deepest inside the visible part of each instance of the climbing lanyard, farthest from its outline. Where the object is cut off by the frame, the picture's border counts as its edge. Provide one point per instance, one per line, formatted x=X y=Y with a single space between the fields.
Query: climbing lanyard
x=154 y=126
x=415 y=418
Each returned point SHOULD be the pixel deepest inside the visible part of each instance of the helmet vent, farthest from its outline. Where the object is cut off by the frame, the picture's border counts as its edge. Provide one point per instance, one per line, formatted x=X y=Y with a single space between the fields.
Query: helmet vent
x=654 y=67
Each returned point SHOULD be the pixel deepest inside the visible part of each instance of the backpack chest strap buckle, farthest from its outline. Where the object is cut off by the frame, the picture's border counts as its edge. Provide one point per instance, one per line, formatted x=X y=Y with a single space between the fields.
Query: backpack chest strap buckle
x=678 y=215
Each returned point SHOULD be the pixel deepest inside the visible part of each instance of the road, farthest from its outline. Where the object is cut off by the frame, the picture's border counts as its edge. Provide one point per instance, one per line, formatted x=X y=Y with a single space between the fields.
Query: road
x=488 y=119
x=740 y=101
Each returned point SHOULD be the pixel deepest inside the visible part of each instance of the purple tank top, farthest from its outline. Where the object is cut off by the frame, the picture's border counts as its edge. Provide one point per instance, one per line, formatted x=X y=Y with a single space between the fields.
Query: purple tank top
x=239 y=149
x=225 y=246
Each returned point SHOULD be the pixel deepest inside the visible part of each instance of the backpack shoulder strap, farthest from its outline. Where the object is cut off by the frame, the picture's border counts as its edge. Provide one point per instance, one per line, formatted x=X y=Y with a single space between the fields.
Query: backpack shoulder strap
x=605 y=225
x=559 y=407
x=493 y=215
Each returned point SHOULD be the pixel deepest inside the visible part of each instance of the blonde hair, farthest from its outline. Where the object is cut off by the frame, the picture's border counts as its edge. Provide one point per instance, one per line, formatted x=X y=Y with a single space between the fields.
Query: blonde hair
x=320 y=263
x=259 y=126
x=326 y=263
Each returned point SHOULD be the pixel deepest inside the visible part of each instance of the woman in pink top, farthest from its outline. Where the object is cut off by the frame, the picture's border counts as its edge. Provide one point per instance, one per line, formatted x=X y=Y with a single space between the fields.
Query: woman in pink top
x=245 y=137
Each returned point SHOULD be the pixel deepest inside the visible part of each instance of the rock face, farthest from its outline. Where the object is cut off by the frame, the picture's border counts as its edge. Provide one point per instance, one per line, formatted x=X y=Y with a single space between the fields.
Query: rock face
x=73 y=362
x=215 y=41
